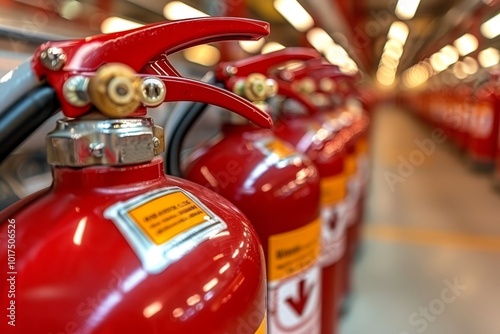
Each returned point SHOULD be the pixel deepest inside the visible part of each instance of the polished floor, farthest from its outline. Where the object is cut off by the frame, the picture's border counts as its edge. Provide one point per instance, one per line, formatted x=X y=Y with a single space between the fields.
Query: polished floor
x=431 y=255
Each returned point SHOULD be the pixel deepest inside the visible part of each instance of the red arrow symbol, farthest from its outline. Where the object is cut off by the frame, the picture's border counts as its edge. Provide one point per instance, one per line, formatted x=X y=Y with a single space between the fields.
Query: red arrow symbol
x=333 y=221
x=298 y=304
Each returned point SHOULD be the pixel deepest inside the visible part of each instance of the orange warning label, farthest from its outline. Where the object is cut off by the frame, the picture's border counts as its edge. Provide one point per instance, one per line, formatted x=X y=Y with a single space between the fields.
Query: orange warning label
x=293 y=251
x=350 y=165
x=163 y=218
x=333 y=189
x=263 y=326
x=279 y=148
x=362 y=146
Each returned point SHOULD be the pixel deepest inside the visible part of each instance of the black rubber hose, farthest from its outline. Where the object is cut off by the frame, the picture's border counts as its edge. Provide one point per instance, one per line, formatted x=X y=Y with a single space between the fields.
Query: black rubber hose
x=24 y=117
x=191 y=111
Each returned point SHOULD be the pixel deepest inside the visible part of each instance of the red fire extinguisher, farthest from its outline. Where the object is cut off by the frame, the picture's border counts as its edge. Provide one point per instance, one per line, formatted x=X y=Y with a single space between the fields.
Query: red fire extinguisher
x=484 y=125
x=308 y=136
x=114 y=245
x=339 y=110
x=278 y=190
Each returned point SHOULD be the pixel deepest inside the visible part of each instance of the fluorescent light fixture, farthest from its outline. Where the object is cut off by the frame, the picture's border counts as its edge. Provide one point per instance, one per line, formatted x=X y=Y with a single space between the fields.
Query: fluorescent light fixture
x=252 y=46
x=392 y=53
x=488 y=57
x=491 y=28
x=116 y=24
x=349 y=67
x=450 y=54
x=205 y=55
x=438 y=62
x=386 y=79
x=466 y=44
x=389 y=62
x=459 y=70
x=415 y=76
x=336 y=55
x=177 y=10
x=70 y=9
x=471 y=65
x=398 y=31
x=271 y=47
x=395 y=45
x=319 y=39
x=295 y=14
x=405 y=9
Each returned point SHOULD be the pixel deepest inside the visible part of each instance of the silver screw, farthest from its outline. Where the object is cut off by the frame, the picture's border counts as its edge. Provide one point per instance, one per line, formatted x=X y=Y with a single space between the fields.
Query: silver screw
x=75 y=90
x=153 y=92
x=53 y=58
x=156 y=142
x=97 y=150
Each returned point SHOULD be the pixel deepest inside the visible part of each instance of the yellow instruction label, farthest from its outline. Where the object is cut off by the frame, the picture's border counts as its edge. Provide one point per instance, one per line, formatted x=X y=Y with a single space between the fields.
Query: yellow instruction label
x=280 y=148
x=333 y=189
x=361 y=146
x=163 y=218
x=293 y=251
x=263 y=326
x=350 y=165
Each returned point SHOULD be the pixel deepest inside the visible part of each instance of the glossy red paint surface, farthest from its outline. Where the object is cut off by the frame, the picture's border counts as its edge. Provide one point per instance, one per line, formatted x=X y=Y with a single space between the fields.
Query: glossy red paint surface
x=277 y=195
x=266 y=194
x=93 y=282
x=484 y=128
x=327 y=151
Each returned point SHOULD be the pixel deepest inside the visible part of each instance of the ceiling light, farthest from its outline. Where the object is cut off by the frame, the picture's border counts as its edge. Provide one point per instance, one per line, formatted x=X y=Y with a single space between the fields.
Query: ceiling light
x=70 y=9
x=450 y=54
x=488 y=57
x=389 y=62
x=319 y=39
x=115 y=24
x=252 y=46
x=177 y=10
x=393 y=54
x=405 y=9
x=204 y=54
x=466 y=44
x=271 y=47
x=471 y=66
x=393 y=44
x=438 y=62
x=336 y=55
x=459 y=70
x=295 y=14
x=385 y=79
x=491 y=28
x=398 y=31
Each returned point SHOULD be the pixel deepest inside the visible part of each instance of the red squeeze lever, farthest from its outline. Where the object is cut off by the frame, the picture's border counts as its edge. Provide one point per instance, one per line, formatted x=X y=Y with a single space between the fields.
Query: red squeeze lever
x=183 y=89
x=141 y=49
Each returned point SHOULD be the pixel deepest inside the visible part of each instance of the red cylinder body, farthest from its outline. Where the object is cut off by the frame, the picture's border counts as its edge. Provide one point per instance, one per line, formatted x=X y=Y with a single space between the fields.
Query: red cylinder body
x=278 y=190
x=149 y=267
x=483 y=131
x=327 y=152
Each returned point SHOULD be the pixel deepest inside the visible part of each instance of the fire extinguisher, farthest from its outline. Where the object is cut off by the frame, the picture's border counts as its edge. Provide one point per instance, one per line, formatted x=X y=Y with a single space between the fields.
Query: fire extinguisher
x=308 y=136
x=114 y=245
x=278 y=190
x=484 y=125
x=339 y=109
x=323 y=145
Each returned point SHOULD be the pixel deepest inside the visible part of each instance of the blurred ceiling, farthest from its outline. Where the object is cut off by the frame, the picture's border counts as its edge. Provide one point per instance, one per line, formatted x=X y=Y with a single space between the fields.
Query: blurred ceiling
x=359 y=26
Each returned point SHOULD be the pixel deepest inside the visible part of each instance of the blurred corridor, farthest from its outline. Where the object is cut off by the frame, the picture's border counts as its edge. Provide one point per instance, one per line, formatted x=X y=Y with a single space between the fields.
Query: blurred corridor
x=439 y=227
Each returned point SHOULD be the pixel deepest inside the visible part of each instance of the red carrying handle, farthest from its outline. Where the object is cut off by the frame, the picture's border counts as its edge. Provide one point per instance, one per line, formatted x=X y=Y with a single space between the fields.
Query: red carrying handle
x=140 y=49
